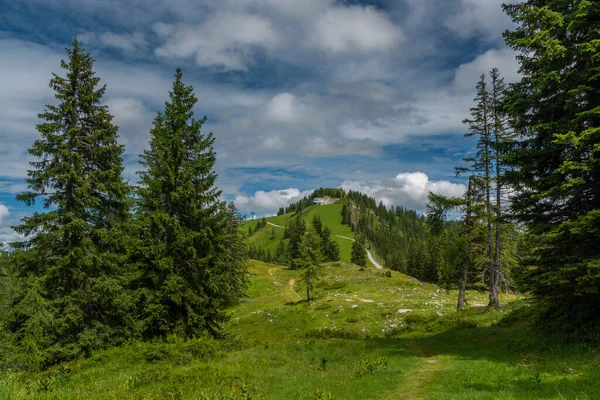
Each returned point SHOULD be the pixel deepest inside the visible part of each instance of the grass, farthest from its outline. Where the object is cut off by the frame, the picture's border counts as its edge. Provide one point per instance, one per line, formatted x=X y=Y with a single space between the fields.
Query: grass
x=366 y=336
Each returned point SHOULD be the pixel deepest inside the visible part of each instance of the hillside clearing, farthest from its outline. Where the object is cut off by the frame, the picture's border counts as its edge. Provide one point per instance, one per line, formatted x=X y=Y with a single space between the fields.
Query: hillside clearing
x=407 y=343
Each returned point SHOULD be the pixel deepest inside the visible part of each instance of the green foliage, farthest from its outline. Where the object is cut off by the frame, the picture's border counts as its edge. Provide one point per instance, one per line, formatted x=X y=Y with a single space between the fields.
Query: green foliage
x=71 y=270
x=359 y=254
x=295 y=231
x=369 y=367
x=555 y=161
x=391 y=232
x=309 y=261
x=191 y=253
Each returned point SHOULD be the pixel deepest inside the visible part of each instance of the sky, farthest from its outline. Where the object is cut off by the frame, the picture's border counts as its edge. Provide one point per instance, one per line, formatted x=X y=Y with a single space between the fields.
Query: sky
x=300 y=94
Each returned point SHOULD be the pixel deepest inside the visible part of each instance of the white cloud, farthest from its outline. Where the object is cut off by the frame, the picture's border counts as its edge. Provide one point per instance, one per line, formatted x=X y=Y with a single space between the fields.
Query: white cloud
x=406 y=189
x=434 y=111
x=6 y=232
x=225 y=40
x=266 y=203
x=355 y=29
x=126 y=42
x=467 y=75
x=484 y=17
x=285 y=108
x=4 y=215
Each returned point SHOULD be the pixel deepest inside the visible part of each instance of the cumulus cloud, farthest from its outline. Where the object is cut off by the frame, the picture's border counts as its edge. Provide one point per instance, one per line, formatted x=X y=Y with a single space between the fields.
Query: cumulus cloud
x=434 y=111
x=284 y=107
x=467 y=74
x=4 y=215
x=351 y=29
x=6 y=232
x=479 y=17
x=406 y=189
x=267 y=203
x=225 y=40
x=126 y=42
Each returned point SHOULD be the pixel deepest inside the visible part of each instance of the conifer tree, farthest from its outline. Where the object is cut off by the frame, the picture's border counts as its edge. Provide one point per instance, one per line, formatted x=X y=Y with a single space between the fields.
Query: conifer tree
x=73 y=256
x=481 y=125
x=192 y=254
x=317 y=224
x=359 y=254
x=309 y=261
x=330 y=249
x=555 y=113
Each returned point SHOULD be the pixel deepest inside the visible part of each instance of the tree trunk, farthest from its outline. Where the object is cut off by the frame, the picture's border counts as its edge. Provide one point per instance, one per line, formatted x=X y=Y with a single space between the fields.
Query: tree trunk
x=463 y=286
x=308 y=290
x=494 y=302
x=495 y=272
x=468 y=225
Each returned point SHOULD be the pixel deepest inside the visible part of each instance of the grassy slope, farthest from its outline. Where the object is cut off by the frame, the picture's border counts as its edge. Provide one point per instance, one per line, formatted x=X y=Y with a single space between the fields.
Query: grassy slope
x=331 y=215
x=284 y=348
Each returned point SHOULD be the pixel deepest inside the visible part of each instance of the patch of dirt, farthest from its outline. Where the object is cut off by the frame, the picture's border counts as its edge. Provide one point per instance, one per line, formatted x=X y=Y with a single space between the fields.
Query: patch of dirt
x=292 y=282
x=431 y=360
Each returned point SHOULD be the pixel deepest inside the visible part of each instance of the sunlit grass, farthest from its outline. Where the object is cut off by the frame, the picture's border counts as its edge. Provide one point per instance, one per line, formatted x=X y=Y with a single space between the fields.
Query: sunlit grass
x=366 y=336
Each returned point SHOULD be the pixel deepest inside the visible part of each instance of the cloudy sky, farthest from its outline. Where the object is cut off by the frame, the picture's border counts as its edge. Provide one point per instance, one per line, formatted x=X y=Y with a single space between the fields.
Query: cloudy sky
x=300 y=94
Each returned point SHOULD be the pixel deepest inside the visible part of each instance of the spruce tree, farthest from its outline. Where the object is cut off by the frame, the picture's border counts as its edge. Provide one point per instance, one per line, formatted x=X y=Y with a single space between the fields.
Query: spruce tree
x=73 y=256
x=309 y=261
x=359 y=254
x=481 y=125
x=192 y=256
x=555 y=175
x=329 y=248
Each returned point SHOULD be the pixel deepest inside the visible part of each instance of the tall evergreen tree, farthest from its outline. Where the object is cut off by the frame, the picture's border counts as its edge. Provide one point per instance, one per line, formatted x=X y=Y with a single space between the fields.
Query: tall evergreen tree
x=309 y=261
x=359 y=254
x=73 y=256
x=498 y=131
x=481 y=125
x=191 y=254
x=555 y=113
x=330 y=249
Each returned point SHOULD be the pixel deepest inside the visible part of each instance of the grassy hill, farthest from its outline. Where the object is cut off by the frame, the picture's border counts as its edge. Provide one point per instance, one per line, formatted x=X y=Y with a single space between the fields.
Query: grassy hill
x=331 y=216
x=366 y=336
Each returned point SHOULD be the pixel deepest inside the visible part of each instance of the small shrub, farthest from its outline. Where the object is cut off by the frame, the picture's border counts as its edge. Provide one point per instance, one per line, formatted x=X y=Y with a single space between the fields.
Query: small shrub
x=352 y=320
x=320 y=395
x=323 y=306
x=201 y=347
x=369 y=367
x=323 y=365
x=154 y=352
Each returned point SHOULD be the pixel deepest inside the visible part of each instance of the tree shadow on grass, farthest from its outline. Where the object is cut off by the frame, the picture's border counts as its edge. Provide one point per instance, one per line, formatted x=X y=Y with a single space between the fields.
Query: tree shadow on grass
x=518 y=361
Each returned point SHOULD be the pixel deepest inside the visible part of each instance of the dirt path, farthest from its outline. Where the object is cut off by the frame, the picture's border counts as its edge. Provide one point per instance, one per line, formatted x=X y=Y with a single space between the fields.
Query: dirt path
x=369 y=255
x=275 y=225
x=413 y=387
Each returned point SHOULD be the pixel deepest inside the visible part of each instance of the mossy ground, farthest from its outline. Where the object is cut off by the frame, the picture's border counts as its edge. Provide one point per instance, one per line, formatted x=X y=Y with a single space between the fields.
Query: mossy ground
x=366 y=336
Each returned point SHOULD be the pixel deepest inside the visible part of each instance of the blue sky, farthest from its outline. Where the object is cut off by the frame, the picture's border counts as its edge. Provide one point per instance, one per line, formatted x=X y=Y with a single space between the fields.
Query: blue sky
x=366 y=95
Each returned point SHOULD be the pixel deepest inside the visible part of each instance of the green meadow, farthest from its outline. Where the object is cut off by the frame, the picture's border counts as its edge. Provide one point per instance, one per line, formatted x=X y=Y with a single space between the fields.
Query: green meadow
x=366 y=336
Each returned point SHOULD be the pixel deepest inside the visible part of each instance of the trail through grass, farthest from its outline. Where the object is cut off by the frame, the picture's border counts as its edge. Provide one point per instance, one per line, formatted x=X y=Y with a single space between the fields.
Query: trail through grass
x=366 y=336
